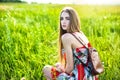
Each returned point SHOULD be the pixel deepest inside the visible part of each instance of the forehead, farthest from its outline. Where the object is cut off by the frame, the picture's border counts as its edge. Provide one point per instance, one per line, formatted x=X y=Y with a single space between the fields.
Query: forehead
x=64 y=14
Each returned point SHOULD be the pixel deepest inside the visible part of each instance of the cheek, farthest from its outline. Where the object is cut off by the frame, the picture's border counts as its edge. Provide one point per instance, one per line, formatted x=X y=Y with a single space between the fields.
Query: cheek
x=68 y=22
x=61 y=22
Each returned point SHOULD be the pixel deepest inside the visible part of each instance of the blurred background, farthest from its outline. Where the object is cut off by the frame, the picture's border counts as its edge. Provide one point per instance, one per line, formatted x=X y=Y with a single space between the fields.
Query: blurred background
x=29 y=35
x=75 y=1
x=111 y=2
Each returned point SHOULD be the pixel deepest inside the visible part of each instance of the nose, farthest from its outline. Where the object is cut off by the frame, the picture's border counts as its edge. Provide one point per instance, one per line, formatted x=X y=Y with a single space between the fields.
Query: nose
x=63 y=21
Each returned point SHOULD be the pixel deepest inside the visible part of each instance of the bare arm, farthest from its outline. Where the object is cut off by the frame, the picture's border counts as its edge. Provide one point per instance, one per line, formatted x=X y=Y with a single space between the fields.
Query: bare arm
x=67 y=44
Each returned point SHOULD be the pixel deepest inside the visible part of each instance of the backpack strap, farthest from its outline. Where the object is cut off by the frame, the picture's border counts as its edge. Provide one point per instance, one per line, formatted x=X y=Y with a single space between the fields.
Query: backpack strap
x=80 y=41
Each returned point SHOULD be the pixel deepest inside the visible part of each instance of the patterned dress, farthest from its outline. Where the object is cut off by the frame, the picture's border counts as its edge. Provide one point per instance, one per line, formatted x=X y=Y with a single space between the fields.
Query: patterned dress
x=79 y=72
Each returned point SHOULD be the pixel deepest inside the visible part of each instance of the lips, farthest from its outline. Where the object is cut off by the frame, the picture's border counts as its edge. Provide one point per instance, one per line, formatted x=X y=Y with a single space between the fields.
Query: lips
x=64 y=25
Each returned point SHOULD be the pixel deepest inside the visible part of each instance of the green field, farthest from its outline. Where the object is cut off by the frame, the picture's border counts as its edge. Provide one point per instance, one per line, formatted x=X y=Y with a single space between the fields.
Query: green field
x=29 y=38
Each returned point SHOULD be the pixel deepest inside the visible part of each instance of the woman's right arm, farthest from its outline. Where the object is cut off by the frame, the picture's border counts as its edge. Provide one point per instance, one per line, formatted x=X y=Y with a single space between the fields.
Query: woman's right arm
x=67 y=44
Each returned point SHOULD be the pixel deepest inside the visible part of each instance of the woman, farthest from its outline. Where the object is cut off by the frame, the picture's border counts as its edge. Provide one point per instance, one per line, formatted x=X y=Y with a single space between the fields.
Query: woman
x=70 y=68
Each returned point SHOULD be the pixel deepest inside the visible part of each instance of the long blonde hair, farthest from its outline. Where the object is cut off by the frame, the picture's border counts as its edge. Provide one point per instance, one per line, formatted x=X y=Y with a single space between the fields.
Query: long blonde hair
x=74 y=26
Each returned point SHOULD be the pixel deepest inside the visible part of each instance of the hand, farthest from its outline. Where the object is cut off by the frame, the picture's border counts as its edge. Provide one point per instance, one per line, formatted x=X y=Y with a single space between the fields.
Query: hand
x=59 y=67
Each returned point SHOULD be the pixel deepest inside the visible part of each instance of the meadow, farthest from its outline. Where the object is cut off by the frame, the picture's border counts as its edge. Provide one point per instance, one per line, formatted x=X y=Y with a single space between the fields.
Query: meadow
x=29 y=38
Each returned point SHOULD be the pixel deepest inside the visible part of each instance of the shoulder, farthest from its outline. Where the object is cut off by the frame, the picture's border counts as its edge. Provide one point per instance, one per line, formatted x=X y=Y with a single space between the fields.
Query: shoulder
x=66 y=36
x=67 y=40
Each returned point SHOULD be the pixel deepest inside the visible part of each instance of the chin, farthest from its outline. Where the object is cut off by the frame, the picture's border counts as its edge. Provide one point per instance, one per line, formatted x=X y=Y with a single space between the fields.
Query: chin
x=64 y=29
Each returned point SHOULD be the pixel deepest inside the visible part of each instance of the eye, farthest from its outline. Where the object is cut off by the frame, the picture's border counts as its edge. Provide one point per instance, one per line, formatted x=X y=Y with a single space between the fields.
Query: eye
x=67 y=18
x=61 y=18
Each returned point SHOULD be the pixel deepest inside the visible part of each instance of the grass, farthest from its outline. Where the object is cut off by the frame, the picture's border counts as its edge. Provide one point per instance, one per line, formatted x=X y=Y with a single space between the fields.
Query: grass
x=29 y=38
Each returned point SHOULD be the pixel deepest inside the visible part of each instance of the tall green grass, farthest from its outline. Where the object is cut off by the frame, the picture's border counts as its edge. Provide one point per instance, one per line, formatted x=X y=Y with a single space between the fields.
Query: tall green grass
x=29 y=38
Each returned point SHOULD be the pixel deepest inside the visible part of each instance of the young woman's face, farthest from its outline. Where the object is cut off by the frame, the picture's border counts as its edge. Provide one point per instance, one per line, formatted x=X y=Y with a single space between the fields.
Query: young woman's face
x=65 y=20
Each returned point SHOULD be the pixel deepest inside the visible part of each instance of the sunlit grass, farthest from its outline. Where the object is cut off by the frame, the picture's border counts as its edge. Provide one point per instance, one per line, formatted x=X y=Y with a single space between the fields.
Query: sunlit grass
x=29 y=38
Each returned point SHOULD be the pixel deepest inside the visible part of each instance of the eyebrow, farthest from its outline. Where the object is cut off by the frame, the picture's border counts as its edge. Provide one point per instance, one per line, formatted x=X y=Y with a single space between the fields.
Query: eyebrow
x=65 y=17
